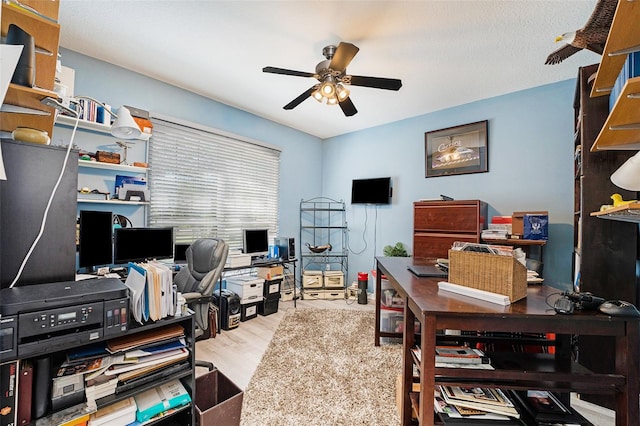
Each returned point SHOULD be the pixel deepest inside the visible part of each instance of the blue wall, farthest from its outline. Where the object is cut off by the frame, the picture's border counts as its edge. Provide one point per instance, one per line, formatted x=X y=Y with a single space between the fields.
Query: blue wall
x=530 y=168
x=530 y=158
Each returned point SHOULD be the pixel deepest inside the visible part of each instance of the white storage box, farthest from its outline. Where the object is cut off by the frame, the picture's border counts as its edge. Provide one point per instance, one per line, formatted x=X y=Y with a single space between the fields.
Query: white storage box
x=312 y=279
x=334 y=279
x=238 y=260
x=286 y=294
x=324 y=294
x=248 y=288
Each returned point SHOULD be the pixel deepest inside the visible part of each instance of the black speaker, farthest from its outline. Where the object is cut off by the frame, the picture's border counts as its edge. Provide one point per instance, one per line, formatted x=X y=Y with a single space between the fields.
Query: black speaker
x=25 y=73
x=286 y=248
x=229 y=304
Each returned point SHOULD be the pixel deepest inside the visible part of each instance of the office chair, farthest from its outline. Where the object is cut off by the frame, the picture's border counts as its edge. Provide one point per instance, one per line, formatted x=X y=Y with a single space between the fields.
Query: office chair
x=205 y=260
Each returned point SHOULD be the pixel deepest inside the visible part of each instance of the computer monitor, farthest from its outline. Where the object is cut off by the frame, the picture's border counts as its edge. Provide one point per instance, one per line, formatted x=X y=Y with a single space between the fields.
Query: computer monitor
x=180 y=253
x=95 y=239
x=140 y=244
x=255 y=242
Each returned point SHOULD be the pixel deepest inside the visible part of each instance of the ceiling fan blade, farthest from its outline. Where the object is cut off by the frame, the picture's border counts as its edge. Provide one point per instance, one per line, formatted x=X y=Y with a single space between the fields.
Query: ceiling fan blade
x=375 y=82
x=297 y=101
x=283 y=71
x=348 y=107
x=343 y=56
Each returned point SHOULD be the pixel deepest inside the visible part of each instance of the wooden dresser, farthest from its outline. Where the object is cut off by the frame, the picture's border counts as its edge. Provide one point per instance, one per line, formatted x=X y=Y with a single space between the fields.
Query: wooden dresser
x=437 y=224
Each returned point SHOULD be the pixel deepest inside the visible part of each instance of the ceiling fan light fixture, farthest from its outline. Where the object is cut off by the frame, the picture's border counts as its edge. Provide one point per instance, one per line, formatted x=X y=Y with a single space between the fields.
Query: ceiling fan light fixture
x=328 y=89
x=317 y=95
x=342 y=92
x=332 y=101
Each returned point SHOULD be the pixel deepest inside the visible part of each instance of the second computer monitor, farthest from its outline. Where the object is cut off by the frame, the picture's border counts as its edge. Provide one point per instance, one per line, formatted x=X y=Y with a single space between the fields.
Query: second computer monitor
x=255 y=242
x=140 y=244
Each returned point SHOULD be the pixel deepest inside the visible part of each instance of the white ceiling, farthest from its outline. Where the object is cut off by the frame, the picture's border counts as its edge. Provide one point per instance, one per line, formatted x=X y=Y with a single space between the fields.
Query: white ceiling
x=446 y=53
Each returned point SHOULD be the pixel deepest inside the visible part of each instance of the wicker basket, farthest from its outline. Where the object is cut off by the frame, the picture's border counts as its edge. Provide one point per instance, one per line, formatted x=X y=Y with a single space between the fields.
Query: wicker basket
x=489 y=272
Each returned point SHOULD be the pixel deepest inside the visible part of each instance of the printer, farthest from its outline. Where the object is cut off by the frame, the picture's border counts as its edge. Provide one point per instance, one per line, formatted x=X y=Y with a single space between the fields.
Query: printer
x=44 y=318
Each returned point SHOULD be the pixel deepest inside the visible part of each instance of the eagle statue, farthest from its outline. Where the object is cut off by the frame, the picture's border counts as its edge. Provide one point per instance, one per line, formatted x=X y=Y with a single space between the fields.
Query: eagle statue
x=593 y=36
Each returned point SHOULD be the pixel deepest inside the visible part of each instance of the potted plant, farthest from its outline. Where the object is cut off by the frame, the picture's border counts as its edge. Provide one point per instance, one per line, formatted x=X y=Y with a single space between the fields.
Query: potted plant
x=399 y=250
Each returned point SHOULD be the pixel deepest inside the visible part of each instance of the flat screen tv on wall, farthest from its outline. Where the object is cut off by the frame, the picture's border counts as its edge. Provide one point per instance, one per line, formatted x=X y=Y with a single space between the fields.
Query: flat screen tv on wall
x=371 y=191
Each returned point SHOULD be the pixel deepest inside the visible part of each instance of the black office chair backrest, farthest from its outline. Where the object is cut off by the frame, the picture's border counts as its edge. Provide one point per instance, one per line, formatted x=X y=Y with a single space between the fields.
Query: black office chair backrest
x=205 y=260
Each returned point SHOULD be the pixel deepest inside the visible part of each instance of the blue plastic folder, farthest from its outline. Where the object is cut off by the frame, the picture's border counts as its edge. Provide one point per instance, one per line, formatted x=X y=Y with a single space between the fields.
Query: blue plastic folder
x=136 y=281
x=161 y=398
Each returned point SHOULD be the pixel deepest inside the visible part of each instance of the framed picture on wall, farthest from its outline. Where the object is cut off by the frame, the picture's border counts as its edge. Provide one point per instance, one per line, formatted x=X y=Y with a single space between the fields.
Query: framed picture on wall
x=456 y=150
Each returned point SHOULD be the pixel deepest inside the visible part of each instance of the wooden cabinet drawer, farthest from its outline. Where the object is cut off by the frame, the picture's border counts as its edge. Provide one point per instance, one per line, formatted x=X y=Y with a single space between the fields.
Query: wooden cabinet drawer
x=454 y=218
x=432 y=246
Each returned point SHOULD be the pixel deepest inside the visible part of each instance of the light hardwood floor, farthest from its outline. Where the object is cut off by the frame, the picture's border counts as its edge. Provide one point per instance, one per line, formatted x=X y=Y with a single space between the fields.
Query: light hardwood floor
x=237 y=353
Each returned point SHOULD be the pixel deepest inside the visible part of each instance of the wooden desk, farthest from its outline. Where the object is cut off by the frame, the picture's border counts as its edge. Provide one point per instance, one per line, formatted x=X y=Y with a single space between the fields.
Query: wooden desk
x=438 y=310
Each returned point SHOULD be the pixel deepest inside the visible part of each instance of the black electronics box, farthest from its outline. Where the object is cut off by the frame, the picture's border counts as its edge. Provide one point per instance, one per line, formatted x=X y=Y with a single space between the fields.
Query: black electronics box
x=286 y=248
x=269 y=305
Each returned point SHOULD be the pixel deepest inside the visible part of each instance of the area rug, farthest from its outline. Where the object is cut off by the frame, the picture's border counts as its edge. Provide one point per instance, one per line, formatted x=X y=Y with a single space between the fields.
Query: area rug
x=322 y=368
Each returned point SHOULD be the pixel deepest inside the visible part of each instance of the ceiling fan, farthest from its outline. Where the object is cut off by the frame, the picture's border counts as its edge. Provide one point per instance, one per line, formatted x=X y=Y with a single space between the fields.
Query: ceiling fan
x=332 y=77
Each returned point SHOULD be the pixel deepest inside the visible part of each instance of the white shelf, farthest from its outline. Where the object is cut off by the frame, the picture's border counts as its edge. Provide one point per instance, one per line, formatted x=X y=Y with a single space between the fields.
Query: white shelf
x=119 y=202
x=65 y=120
x=111 y=166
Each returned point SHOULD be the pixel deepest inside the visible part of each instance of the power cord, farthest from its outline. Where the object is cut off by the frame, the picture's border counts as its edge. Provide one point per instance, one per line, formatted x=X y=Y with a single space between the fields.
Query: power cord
x=570 y=301
x=364 y=231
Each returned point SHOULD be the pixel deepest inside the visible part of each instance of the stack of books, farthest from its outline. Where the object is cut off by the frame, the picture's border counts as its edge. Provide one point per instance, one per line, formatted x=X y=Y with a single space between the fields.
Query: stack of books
x=474 y=405
x=152 y=403
x=127 y=362
x=499 y=229
x=462 y=357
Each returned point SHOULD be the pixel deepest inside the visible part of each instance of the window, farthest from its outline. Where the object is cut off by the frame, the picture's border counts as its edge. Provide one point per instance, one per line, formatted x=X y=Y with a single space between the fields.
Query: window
x=208 y=184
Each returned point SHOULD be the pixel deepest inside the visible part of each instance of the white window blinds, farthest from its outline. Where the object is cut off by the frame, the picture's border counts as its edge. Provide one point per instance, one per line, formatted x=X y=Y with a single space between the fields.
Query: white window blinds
x=208 y=184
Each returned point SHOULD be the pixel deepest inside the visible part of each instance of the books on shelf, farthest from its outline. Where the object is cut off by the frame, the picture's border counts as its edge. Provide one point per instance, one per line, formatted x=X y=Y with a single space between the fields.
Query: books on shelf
x=161 y=398
x=164 y=357
x=119 y=413
x=75 y=415
x=461 y=355
x=490 y=400
x=482 y=362
x=452 y=415
x=137 y=340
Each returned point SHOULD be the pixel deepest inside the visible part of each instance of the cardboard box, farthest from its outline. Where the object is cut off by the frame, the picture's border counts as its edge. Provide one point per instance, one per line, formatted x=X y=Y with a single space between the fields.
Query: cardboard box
x=218 y=400
x=517 y=221
x=270 y=272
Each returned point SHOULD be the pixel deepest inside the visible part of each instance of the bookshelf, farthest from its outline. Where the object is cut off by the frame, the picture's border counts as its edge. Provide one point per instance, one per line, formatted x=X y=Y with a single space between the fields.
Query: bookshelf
x=184 y=415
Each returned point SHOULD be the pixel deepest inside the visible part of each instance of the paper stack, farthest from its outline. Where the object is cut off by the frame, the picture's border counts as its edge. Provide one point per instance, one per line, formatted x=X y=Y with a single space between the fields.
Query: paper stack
x=152 y=293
